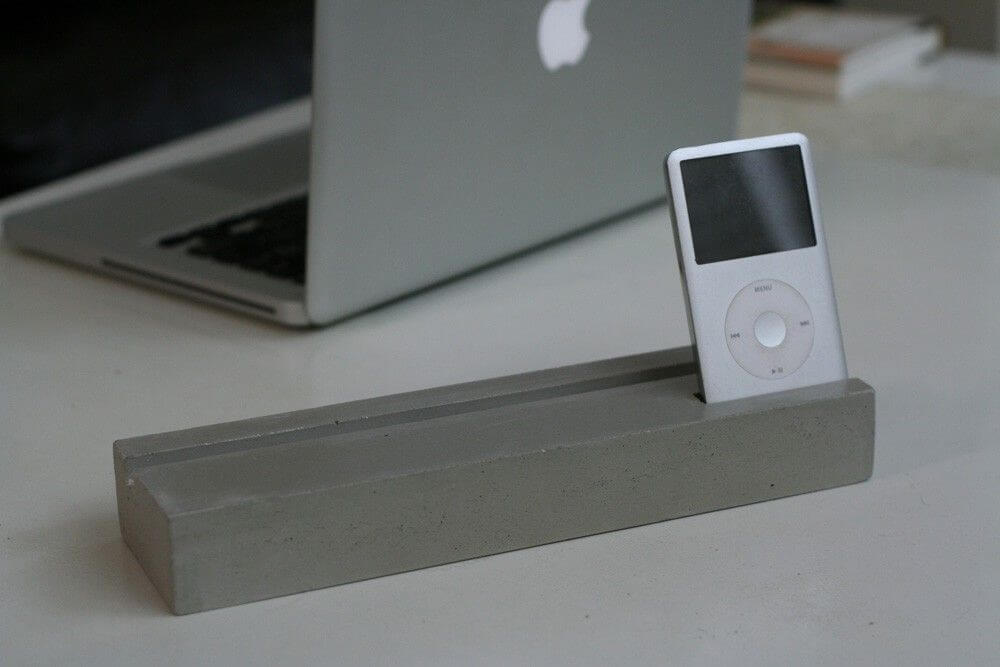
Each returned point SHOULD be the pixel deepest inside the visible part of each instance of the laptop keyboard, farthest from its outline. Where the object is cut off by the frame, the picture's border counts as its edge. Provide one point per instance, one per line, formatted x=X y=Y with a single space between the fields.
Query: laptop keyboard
x=270 y=240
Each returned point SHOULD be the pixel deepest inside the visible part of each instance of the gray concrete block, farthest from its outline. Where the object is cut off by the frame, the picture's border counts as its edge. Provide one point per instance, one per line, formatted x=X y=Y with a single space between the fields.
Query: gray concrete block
x=232 y=513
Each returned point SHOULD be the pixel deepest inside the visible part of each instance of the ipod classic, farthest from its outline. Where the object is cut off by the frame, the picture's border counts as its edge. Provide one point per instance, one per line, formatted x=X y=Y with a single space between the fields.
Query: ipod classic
x=754 y=264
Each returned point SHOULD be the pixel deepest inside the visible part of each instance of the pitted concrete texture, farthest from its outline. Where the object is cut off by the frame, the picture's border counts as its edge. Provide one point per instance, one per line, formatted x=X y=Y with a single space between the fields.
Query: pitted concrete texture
x=238 y=512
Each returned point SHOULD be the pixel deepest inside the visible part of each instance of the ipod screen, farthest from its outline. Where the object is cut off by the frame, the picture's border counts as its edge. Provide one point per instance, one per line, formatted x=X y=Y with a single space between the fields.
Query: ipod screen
x=746 y=204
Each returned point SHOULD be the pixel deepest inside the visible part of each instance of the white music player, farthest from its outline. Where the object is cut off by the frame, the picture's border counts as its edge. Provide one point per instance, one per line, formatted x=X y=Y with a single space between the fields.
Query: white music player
x=754 y=264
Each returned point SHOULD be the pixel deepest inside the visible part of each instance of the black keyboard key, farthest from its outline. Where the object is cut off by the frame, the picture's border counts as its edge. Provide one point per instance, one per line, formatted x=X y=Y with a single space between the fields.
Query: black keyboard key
x=270 y=240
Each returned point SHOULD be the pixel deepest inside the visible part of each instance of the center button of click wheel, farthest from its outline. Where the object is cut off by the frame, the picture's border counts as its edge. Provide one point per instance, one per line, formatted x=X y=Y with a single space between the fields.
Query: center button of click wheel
x=770 y=329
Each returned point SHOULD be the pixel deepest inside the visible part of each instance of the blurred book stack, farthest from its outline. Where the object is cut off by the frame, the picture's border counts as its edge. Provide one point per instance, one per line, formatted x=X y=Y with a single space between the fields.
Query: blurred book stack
x=836 y=53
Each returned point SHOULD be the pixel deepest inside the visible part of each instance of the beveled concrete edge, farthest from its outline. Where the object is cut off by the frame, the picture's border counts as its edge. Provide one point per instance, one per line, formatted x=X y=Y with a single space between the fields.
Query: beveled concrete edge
x=859 y=399
x=406 y=452
x=132 y=450
x=147 y=528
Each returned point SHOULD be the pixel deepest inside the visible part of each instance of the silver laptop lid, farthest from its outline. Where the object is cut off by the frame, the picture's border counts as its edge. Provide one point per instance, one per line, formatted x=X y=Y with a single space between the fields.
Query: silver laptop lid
x=450 y=133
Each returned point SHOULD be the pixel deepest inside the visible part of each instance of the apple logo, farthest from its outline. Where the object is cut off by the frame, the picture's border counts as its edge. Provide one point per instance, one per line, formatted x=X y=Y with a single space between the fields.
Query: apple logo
x=562 y=34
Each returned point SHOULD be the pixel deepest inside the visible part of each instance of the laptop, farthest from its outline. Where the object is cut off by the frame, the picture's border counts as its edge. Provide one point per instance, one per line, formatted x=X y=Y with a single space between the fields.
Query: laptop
x=446 y=135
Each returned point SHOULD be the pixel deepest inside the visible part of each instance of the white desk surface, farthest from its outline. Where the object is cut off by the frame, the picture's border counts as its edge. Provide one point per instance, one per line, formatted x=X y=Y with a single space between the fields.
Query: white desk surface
x=903 y=569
